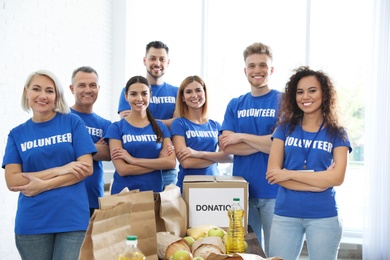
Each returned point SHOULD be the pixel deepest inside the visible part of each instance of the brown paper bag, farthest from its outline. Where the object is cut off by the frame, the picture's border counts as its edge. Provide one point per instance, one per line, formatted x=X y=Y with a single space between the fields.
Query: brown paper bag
x=106 y=232
x=142 y=218
x=171 y=211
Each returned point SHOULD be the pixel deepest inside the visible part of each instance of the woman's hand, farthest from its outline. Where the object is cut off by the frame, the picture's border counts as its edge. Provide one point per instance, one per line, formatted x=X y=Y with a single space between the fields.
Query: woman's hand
x=33 y=188
x=167 y=151
x=277 y=176
x=120 y=153
x=188 y=152
x=79 y=169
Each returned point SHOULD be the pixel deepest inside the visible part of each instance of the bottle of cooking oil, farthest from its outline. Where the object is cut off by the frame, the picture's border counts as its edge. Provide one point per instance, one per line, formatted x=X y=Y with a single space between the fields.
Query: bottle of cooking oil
x=235 y=232
x=131 y=252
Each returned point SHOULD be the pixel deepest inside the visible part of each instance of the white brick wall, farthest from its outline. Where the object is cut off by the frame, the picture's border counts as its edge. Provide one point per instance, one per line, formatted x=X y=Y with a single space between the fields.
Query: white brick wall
x=55 y=35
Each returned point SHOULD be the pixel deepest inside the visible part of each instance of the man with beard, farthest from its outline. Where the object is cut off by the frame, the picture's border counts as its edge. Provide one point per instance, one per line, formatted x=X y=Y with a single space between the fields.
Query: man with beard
x=246 y=133
x=163 y=99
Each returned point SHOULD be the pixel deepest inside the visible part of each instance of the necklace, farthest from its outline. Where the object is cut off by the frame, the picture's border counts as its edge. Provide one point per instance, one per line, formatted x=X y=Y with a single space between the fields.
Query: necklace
x=311 y=143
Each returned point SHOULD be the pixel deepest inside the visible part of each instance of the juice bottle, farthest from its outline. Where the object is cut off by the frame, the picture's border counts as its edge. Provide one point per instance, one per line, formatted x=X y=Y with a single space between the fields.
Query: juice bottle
x=131 y=252
x=235 y=232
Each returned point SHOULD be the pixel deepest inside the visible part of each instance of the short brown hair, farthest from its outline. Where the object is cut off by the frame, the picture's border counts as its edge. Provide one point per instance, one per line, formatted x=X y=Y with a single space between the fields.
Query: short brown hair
x=258 y=48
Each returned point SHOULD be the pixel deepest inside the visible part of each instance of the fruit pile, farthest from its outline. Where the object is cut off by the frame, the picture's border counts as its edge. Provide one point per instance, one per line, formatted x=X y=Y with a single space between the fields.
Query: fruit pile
x=198 y=244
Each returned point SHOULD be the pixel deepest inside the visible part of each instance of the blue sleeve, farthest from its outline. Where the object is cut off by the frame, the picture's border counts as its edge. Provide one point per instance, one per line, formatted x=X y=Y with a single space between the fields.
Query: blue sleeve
x=164 y=129
x=11 y=154
x=177 y=127
x=280 y=133
x=113 y=132
x=218 y=126
x=123 y=104
x=344 y=141
x=228 y=121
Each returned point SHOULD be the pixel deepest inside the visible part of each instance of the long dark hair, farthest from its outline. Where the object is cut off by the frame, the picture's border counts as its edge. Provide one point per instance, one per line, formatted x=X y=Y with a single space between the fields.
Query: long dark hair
x=291 y=114
x=155 y=126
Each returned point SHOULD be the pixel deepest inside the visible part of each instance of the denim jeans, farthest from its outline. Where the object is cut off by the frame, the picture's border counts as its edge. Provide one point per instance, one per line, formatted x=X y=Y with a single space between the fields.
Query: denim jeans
x=55 y=246
x=169 y=176
x=260 y=216
x=323 y=237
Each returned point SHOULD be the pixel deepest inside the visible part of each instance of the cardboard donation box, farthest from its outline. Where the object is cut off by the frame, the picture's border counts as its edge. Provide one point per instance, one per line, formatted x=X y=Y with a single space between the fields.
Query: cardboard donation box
x=208 y=198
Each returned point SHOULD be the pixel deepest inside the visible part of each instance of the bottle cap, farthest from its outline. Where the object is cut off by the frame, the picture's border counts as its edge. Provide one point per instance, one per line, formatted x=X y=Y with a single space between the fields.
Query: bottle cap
x=131 y=238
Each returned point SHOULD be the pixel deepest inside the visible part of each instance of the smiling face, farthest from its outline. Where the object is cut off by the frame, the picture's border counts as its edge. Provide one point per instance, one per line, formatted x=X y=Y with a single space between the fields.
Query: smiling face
x=138 y=96
x=156 y=62
x=85 y=89
x=309 y=95
x=258 y=68
x=194 y=95
x=41 y=95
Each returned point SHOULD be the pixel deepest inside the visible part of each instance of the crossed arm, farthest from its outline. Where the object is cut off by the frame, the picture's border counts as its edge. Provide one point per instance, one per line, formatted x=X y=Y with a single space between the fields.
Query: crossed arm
x=190 y=158
x=33 y=183
x=306 y=181
x=125 y=164
x=103 y=151
x=244 y=144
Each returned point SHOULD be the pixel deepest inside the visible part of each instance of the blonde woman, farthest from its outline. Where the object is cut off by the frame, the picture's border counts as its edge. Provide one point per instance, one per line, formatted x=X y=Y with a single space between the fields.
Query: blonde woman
x=46 y=160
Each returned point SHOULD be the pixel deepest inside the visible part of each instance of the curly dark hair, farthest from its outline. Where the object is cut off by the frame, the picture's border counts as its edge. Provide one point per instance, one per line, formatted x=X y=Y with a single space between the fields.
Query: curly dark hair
x=291 y=114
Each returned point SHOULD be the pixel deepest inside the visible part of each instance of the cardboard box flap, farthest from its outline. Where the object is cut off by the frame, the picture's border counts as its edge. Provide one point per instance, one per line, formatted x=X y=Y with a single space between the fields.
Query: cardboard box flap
x=228 y=178
x=199 y=178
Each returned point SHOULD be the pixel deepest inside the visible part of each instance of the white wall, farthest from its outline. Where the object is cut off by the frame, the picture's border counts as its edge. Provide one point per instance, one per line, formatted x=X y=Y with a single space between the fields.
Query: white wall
x=55 y=35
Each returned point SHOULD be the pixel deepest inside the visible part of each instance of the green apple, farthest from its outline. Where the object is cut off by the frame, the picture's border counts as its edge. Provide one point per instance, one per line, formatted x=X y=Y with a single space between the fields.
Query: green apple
x=216 y=232
x=189 y=239
x=182 y=254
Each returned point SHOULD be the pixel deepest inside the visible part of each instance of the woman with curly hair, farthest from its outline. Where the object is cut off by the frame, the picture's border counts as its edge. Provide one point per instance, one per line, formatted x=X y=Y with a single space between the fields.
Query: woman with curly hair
x=308 y=157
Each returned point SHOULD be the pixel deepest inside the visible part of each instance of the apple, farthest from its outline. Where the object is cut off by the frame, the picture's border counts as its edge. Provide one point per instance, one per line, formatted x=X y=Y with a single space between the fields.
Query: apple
x=189 y=239
x=216 y=232
x=182 y=254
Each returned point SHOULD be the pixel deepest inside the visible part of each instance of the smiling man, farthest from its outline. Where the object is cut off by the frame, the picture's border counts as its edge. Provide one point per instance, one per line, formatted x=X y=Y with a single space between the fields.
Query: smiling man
x=246 y=133
x=85 y=88
x=163 y=100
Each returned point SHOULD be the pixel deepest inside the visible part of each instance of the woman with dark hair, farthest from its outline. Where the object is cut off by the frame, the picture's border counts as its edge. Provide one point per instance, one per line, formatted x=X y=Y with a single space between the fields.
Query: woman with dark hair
x=308 y=157
x=195 y=137
x=140 y=145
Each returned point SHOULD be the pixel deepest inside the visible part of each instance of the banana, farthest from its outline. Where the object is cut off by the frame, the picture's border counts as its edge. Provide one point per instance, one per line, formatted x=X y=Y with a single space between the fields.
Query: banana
x=199 y=231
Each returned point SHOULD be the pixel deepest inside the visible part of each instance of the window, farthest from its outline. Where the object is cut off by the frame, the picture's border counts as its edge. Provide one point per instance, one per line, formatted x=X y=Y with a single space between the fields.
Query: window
x=208 y=37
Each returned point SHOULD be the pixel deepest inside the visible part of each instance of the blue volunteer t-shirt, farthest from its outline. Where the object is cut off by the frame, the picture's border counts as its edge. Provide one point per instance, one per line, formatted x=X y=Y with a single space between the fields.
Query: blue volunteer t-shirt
x=305 y=204
x=256 y=116
x=97 y=127
x=162 y=102
x=139 y=143
x=200 y=137
x=40 y=146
